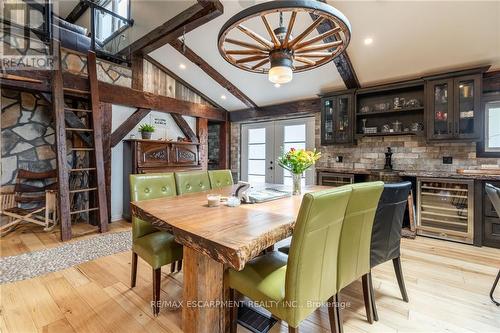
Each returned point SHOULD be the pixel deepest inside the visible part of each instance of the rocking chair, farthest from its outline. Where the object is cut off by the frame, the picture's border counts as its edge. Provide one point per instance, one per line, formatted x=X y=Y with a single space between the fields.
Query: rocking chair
x=30 y=203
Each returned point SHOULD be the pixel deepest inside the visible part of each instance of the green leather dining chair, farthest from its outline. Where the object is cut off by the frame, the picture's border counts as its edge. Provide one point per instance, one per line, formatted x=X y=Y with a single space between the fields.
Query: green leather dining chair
x=355 y=240
x=192 y=181
x=220 y=178
x=293 y=287
x=156 y=247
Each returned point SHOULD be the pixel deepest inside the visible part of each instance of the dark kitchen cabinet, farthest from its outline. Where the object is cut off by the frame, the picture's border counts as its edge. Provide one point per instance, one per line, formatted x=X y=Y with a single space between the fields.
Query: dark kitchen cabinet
x=337 y=115
x=453 y=108
x=491 y=220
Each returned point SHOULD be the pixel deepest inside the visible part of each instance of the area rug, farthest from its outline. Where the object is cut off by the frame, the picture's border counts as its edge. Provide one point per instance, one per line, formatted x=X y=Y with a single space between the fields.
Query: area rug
x=32 y=264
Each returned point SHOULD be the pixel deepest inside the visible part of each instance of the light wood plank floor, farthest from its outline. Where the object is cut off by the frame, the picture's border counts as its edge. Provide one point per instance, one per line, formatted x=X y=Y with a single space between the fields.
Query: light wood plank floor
x=448 y=286
x=30 y=237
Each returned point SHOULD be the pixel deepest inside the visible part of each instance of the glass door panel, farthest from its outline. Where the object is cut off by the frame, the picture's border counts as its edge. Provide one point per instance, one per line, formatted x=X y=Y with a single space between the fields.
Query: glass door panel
x=342 y=121
x=466 y=107
x=441 y=106
x=257 y=153
x=328 y=120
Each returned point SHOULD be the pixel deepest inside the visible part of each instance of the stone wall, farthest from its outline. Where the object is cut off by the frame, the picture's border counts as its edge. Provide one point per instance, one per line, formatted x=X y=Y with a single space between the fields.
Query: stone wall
x=410 y=153
x=234 y=153
x=213 y=146
x=109 y=72
x=28 y=139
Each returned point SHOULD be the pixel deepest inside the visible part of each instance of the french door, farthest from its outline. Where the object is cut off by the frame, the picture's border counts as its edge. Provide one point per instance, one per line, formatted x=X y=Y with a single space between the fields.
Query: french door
x=262 y=143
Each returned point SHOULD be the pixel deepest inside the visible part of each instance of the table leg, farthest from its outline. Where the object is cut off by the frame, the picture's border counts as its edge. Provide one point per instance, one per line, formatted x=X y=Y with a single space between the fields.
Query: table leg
x=203 y=282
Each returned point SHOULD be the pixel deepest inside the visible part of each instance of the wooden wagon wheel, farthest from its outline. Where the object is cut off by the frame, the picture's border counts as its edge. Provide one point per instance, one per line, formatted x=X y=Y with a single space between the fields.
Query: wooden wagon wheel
x=285 y=45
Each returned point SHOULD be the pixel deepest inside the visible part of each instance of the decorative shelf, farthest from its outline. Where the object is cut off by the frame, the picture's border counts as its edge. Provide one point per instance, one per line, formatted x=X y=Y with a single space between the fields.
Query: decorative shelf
x=403 y=110
x=418 y=133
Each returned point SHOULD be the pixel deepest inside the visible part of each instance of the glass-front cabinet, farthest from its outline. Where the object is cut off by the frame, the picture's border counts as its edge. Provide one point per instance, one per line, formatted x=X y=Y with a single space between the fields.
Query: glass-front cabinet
x=453 y=107
x=337 y=119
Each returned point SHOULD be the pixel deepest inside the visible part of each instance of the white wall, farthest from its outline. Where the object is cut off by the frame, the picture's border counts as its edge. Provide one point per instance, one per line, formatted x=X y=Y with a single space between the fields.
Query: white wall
x=119 y=115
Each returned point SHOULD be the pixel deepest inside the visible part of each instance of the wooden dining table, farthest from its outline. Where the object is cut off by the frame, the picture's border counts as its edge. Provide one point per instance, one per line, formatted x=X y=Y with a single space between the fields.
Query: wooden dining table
x=216 y=239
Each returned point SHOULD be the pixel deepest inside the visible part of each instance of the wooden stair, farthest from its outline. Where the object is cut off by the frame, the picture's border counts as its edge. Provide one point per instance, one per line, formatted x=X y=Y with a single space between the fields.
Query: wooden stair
x=97 y=204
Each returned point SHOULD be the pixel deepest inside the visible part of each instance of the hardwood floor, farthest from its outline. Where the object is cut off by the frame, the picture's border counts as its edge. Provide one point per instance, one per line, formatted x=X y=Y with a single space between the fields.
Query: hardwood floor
x=447 y=283
x=31 y=237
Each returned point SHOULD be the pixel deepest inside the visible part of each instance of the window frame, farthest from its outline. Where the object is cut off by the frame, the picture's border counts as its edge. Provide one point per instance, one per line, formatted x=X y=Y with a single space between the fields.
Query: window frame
x=481 y=149
x=114 y=4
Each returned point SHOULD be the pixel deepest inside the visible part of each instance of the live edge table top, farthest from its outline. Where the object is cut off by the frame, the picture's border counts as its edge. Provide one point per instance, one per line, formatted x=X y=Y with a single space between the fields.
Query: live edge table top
x=229 y=235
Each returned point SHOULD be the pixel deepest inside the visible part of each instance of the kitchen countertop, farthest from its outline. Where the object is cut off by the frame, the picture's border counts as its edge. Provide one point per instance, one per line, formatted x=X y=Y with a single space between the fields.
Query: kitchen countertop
x=413 y=173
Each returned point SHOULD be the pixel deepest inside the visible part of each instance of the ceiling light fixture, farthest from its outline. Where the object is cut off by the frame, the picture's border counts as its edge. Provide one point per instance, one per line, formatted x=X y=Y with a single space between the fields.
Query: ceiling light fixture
x=277 y=85
x=368 y=41
x=223 y=96
x=284 y=53
x=182 y=66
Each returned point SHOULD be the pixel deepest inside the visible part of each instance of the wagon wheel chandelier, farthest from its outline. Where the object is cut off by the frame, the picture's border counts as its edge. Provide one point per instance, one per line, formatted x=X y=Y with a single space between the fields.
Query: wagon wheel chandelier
x=286 y=50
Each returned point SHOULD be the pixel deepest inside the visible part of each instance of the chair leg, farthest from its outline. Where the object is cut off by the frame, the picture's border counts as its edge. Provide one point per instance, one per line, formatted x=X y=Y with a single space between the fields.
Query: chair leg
x=156 y=290
x=172 y=267
x=293 y=329
x=367 y=298
x=493 y=289
x=179 y=265
x=133 y=272
x=338 y=309
x=333 y=315
x=372 y=294
x=399 y=275
x=233 y=316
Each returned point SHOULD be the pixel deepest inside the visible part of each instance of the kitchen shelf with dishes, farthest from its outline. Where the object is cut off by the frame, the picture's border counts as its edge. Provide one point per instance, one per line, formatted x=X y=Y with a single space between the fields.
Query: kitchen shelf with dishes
x=398 y=110
x=441 y=107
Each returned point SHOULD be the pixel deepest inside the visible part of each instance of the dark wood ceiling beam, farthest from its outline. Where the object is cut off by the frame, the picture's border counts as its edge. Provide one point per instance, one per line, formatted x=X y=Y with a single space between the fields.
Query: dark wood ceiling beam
x=114 y=94
x=184 y=126
x=128 y=125
x=297 y=108
x=181 y=81
x=78 y=11
x=342 y=61
x=210 y=71
x=188 y=20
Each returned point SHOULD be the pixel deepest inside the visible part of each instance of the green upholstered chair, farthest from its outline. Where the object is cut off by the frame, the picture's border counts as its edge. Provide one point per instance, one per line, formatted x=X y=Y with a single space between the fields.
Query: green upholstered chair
x=220 y=178
x=288 y=284
x=156 y=247
x=192 y=181
x=355 y=240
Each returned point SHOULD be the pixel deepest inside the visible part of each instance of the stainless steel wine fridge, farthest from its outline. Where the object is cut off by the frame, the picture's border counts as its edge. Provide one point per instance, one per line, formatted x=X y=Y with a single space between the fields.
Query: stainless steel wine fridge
x=446 y=209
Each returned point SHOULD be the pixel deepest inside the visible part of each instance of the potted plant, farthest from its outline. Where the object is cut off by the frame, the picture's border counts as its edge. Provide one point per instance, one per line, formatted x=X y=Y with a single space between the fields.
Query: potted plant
x=146 y=130
x=298 y=161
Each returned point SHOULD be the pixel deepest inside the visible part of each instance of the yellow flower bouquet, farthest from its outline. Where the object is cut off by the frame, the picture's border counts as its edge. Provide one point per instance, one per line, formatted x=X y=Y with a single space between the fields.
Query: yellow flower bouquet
x=298 y=161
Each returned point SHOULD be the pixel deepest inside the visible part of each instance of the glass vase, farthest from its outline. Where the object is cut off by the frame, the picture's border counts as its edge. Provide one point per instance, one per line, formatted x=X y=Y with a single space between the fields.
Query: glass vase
x=297 y=183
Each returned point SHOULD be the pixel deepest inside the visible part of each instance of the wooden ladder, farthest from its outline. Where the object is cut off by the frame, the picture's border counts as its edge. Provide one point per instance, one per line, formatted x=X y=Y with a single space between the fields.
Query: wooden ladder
x=96 y=189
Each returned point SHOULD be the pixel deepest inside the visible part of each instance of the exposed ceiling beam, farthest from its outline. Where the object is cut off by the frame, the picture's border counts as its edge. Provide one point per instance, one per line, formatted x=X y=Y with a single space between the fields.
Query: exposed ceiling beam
x=210 y=71
x=190 y=19
x=78 y=11
x=115 y=94
x=181 y=81
x=297 y=108
x=342 y=61
x=128 y=125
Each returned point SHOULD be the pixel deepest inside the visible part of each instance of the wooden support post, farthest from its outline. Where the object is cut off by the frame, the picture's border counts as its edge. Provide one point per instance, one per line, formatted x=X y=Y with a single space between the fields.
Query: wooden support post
x=98 y=145
x=224 y=130
x=202 y=131
x=62 y=162
x=137 y=72
x=106 y=115
x=203 y=282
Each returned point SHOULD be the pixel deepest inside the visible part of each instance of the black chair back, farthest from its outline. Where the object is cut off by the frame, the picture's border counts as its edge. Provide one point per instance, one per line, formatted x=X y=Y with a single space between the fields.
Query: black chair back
x=494 y=195
x=386 y=234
